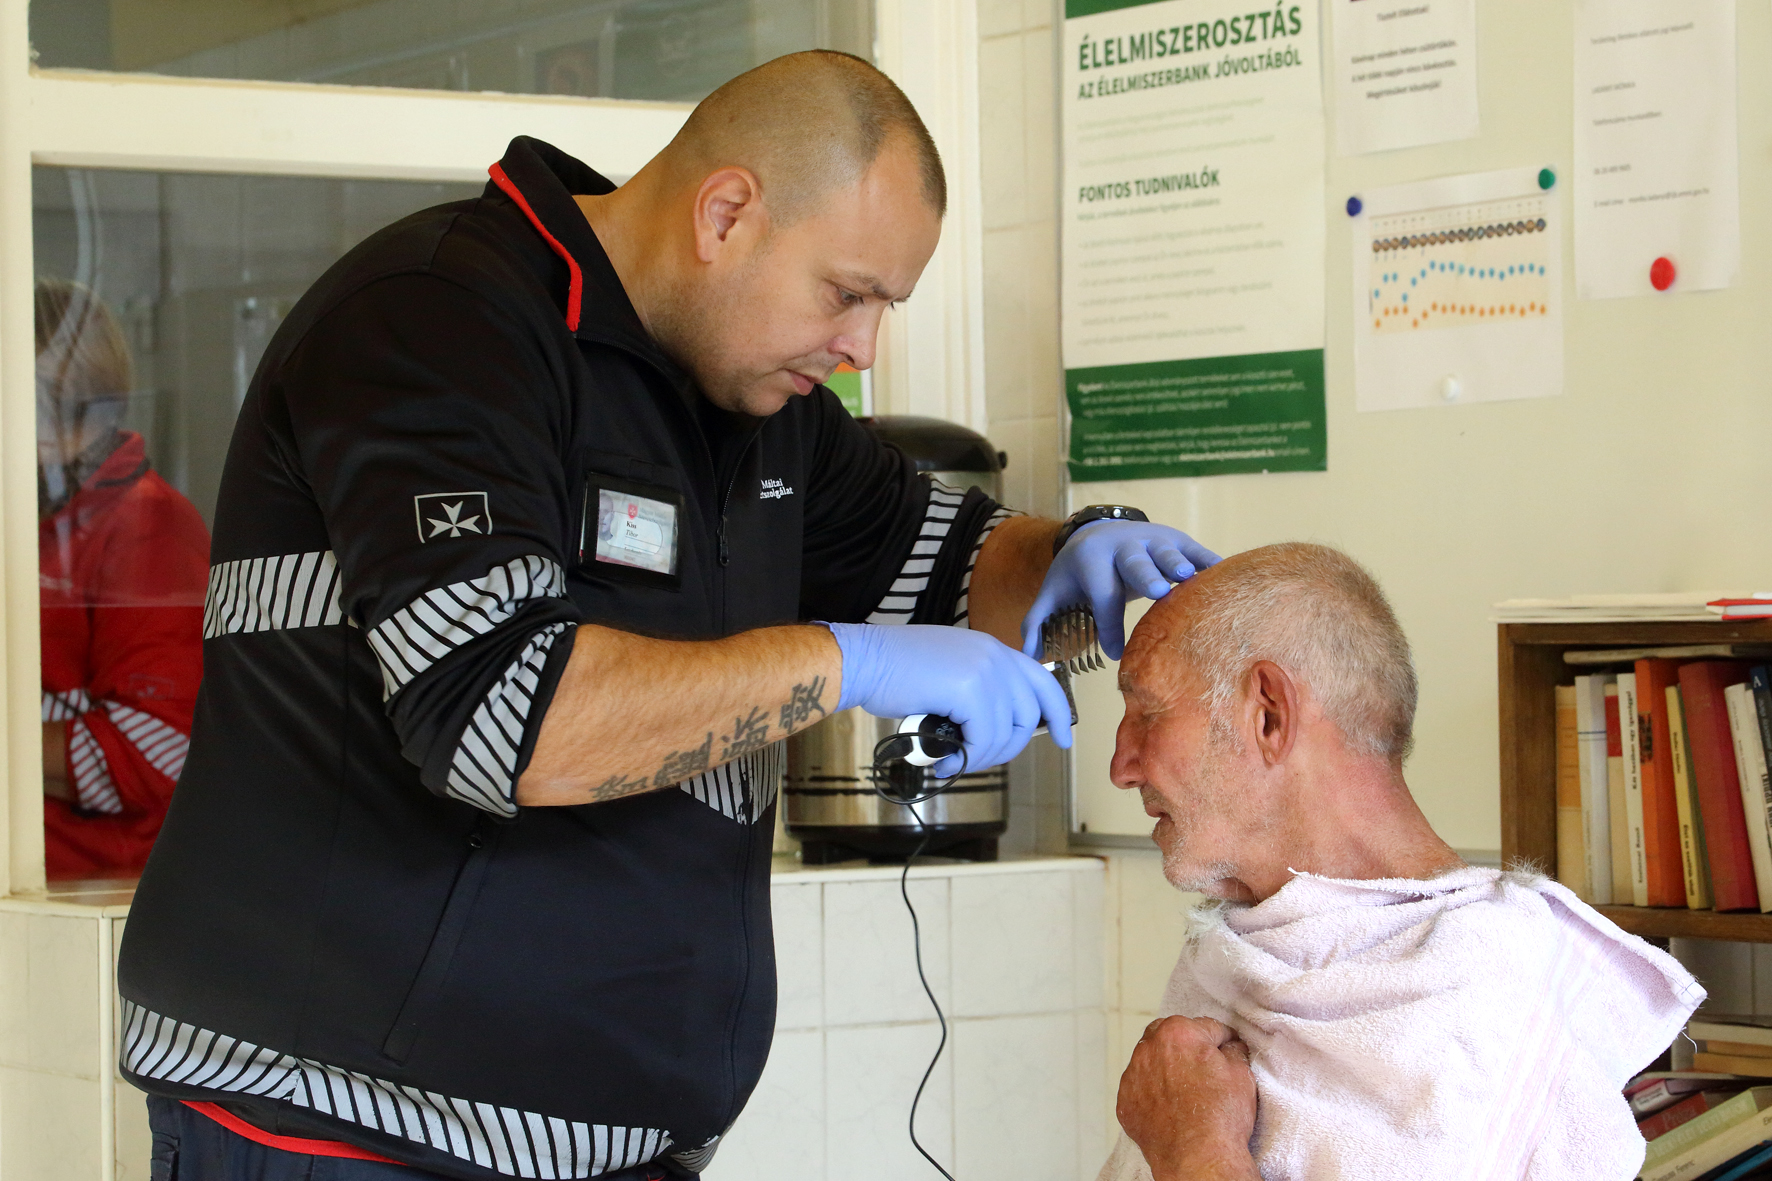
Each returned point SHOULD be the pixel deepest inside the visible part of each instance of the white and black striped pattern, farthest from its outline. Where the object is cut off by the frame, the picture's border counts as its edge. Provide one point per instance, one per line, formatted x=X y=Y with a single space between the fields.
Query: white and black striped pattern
x=268 y=594
x=961 y=609
x=744 y=788
x=484 y=770
x=90 y=771
x=160 y=743
x=514 y=1143
x=66 y=705
x=438 y=622
x=900 y=602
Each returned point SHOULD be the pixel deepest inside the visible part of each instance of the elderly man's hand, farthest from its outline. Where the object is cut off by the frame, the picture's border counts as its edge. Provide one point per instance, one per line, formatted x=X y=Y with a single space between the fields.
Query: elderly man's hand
x=1188 y=1101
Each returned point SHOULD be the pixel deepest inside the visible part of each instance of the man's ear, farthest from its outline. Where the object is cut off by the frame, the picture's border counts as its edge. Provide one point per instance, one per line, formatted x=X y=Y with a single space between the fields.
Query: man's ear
x=728 y=213
x=1272 y=708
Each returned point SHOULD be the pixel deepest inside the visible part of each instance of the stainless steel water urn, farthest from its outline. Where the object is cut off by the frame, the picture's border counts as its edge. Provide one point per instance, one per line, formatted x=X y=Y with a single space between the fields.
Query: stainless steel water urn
x=829 y=798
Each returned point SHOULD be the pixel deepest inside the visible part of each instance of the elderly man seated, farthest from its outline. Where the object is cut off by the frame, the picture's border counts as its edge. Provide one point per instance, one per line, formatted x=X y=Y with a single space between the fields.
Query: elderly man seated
x=1359 y=1003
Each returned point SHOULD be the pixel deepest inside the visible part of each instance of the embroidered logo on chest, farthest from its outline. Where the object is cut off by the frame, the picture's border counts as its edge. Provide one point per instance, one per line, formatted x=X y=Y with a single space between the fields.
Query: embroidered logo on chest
x=451 y=514
x=774 y=489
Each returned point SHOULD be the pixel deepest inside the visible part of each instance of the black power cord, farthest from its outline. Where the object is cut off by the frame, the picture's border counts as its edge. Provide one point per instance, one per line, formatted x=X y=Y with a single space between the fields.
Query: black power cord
x=885 y=752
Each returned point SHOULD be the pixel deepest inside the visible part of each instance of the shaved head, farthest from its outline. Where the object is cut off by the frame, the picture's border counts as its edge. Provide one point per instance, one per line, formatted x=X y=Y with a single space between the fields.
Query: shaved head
x=805 y=125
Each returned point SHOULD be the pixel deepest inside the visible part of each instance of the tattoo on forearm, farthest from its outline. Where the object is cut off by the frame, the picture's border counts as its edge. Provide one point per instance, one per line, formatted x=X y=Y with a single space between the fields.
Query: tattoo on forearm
x=751 y=732
x=799 y=708
x=616 y=786
x=681 y=764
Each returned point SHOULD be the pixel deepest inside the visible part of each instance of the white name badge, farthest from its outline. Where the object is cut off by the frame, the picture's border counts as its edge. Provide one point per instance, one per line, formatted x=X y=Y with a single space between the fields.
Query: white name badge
x=637 y=531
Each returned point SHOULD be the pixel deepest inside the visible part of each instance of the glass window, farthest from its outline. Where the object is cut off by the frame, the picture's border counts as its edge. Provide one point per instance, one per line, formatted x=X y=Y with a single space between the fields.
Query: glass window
x=640 y=49
x=156 y=295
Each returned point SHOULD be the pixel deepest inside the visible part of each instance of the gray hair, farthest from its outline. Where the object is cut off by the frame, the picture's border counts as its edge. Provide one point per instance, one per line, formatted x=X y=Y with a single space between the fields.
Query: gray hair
x=1319 y=615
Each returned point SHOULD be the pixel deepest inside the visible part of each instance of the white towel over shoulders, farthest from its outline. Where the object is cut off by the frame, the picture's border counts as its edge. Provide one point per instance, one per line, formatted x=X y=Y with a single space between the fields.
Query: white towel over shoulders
x=1477 y=1026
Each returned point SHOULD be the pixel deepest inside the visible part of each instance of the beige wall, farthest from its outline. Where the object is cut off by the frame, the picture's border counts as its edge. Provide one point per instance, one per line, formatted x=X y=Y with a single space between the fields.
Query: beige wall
x=1650 y=473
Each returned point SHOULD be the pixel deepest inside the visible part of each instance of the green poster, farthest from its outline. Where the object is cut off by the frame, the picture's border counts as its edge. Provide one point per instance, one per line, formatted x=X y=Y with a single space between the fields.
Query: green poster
x=1211 y=416
x=1193 y=238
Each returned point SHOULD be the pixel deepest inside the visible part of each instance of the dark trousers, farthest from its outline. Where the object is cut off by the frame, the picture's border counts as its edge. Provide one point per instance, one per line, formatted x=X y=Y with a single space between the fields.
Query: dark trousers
x=189 y=1146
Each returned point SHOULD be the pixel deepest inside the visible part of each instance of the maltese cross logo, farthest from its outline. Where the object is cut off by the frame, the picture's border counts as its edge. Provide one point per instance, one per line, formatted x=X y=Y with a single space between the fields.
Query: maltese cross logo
x=451 y=514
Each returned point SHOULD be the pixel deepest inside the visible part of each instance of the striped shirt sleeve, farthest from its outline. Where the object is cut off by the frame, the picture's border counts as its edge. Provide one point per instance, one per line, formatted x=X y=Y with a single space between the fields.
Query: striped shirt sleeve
x=467 y=728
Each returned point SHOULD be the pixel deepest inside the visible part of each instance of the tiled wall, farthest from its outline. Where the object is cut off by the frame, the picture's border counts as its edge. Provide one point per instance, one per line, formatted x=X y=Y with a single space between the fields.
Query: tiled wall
x=1017 y=958
x=1146 y=923
x=1018 y=150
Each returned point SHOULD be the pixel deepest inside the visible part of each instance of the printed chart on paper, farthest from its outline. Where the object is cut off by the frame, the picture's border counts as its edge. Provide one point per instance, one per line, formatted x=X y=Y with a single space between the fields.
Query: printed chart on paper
x=1457 y=286
x=1463 y=264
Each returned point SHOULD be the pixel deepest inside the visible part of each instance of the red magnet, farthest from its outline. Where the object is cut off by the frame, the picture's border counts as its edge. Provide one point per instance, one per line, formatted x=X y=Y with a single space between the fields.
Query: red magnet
x=1661 y=274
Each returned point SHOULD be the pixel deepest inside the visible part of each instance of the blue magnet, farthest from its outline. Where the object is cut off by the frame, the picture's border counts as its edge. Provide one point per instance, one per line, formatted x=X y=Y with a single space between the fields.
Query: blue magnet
x=1354 y=207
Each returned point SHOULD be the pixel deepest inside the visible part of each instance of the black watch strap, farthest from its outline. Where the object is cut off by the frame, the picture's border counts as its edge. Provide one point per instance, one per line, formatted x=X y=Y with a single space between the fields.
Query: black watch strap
x=1094 y=512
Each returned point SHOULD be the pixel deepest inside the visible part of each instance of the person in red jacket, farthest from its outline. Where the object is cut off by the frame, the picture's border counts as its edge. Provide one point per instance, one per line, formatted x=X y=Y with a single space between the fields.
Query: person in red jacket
x=123 y=562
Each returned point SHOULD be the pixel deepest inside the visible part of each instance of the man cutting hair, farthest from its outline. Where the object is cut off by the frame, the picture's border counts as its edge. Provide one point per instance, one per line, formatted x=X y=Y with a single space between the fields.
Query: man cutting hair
x=525 y=518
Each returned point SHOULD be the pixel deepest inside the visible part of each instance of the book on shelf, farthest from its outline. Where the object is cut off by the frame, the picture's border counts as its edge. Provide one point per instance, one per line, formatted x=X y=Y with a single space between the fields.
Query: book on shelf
x=1750 y=1028
x=1717 y=1137
x=1655 y=1090
x=1680 y=606
x=1665 y=874
x=1692 y=856
x=1596 y=819
x=1755 y=606
x=1681 y=1111
x=1717 y=1061
x=1616 y=813
x=1633 y=787
x=1750 y=770
x=1606 y=656
x=1573 y=869
x=1712 y=751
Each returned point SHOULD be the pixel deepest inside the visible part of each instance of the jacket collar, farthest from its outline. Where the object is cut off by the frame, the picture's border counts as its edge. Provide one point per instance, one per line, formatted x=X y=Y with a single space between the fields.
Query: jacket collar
x=540 y=180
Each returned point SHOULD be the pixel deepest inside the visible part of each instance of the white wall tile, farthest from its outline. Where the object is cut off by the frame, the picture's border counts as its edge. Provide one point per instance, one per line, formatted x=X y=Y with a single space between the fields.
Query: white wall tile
x=1039 y=122
x=1006 y=342
x=1089 y=938
x=781 y=1132
x=799 y=955
x=997 y=17
x=49 y=1125
x=870 y=975
x=63 y=995
x=871 y=1075
x=135 y=1143
x=1035 y=13
x=1153 y=925
x=15 y=982
x=1095 y=1114
x=1002 y=134
x=1014 y=951
x=1015 y=1106
x=1045 y=475
x=1014 y=436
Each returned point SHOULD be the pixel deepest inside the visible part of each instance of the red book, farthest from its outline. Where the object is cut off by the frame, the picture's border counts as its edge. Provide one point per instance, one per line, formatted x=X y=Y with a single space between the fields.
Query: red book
x=1719 y=787
x=1689 y=1108
x=1661 y=816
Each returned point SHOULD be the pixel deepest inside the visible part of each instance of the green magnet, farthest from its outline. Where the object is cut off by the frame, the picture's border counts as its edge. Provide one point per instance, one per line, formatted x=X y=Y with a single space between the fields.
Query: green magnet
x=1546 y=178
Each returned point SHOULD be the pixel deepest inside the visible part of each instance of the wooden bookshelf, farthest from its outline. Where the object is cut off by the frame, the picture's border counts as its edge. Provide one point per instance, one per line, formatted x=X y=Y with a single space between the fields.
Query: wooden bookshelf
x=1531 y=666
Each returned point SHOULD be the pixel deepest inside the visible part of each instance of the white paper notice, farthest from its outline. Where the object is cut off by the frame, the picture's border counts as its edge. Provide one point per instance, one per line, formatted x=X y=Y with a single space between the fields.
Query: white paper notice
x=1405 y=73
x=1657 y=203
x=1457 y=291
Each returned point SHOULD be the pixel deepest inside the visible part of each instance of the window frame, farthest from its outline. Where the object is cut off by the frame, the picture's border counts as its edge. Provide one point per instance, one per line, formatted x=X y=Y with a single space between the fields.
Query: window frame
x=931 y=355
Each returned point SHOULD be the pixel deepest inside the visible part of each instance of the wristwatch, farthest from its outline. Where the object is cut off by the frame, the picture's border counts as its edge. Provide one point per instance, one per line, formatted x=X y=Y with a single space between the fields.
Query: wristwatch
x=1095 y=512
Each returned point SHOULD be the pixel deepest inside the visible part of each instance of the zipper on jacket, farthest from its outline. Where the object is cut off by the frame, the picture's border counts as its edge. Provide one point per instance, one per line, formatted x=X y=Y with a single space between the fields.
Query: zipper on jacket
x=726 y=498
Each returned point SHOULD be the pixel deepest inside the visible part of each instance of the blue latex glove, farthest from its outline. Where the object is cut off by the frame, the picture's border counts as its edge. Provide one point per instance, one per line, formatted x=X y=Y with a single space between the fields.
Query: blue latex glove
x=1106 y=563
x=997 y=695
